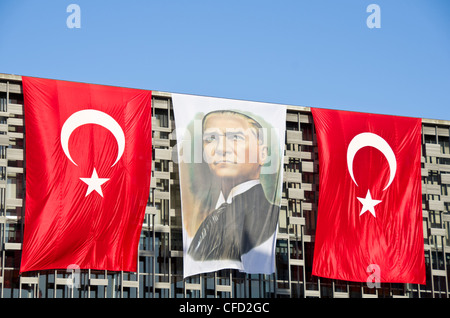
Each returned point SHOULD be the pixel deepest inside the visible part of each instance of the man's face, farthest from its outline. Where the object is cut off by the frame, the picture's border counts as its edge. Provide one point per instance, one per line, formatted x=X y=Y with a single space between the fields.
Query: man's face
x=231 y=147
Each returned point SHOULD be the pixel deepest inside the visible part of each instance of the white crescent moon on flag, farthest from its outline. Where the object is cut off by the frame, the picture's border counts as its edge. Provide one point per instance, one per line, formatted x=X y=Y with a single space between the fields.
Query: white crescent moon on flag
x=91 y=116
x=371 y=140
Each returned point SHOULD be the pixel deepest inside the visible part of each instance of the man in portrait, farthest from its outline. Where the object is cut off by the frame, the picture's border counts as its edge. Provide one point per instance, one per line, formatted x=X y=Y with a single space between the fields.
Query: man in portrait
x=242 y=218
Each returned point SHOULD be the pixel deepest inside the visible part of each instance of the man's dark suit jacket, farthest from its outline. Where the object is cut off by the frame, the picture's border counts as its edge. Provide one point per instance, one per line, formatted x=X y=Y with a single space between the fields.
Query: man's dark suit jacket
x=234 y=229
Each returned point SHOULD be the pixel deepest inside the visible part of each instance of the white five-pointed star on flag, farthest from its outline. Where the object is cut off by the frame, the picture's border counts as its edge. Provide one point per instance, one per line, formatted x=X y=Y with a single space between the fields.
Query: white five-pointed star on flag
x=368 y=204
x=94 y=183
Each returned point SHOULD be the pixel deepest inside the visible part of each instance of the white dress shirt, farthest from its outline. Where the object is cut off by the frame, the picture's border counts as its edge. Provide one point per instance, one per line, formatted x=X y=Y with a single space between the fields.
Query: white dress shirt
x=240 y=188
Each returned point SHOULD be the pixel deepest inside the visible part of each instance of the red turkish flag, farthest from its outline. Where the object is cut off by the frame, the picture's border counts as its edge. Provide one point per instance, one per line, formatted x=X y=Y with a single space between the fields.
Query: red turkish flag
x=88 y=168
x=369 y=223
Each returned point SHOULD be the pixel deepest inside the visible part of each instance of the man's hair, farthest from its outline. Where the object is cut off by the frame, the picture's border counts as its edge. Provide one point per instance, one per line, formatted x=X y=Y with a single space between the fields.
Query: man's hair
x=253 y=123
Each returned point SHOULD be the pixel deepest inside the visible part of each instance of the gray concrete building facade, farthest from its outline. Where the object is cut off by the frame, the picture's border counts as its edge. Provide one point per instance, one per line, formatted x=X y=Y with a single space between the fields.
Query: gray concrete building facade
x=160 y=263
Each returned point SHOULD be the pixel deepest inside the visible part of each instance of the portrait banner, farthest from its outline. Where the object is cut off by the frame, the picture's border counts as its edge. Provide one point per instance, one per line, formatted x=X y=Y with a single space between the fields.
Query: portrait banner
x=230 y=157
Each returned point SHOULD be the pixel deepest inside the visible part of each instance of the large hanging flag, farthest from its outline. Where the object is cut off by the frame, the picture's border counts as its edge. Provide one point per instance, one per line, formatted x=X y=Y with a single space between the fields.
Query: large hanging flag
x=369 y=223
x=230 y=156
x=88 y=168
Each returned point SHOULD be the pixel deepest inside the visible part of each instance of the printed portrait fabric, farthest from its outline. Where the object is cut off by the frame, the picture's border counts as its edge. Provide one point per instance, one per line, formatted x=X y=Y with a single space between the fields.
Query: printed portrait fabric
x=88 y=168
x=369 y=222
x=230 y=156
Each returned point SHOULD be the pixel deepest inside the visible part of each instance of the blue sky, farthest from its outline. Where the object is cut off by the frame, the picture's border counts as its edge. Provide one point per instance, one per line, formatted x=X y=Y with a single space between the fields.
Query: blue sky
x=309 y=53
